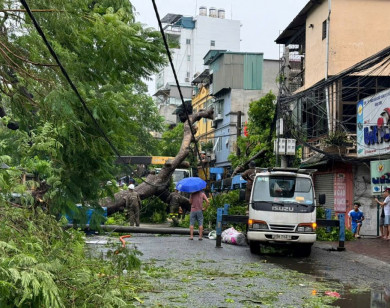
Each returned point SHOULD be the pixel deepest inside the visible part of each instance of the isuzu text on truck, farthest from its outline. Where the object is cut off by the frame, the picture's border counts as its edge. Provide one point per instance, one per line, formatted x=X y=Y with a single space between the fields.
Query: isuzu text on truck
x=282 y=210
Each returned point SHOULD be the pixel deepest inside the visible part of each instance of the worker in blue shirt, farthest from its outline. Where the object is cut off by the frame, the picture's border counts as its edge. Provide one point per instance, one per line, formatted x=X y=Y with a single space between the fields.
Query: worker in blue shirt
x=356 y=217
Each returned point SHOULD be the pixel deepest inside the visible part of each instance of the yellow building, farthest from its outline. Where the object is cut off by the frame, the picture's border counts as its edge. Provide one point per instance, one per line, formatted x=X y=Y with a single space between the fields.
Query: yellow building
x=205 y=133
x=203 y=100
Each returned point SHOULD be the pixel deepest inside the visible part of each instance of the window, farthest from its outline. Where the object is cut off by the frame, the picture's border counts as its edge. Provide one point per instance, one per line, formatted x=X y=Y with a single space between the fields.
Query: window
x=274 y=191
x=188 y=74
x=219 y=108
x=324 y=30
x=188 y=41
x=314 y=119
x=212 y=43
x=189 y=58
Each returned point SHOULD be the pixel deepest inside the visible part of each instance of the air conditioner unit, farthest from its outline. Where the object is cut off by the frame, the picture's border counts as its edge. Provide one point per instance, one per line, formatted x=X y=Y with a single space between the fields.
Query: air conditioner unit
x=187 y=79
x=218 y=117
x=214 y=124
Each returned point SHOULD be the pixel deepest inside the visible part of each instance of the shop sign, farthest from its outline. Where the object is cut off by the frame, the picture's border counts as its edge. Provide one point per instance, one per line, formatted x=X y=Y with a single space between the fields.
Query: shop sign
x=380 y=175
x=373 y=125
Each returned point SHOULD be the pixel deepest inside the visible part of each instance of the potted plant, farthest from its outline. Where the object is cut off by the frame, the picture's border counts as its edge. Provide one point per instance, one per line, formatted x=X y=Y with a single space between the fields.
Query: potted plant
x=335 y=143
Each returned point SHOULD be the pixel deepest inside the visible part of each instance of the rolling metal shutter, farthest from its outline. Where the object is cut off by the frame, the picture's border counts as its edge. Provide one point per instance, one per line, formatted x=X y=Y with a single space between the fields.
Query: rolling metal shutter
x=324 y=184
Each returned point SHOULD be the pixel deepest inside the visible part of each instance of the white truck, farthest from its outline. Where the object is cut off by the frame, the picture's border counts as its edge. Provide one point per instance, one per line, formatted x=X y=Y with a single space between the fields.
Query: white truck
x=282 y=210
x=178 y=174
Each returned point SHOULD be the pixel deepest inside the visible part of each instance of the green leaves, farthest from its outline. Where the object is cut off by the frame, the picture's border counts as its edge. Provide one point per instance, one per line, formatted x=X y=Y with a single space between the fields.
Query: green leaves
x=106 y=54
x=171 y=141
x=261 y=114
x=41 y=265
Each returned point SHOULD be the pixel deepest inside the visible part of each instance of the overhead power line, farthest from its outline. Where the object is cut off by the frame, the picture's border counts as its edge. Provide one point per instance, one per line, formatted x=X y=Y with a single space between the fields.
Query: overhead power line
x=177 y=83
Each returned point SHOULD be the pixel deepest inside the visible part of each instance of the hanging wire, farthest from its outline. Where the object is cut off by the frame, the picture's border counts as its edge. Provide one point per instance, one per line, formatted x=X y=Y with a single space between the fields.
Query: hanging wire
x=178 y=85
x=75 y=90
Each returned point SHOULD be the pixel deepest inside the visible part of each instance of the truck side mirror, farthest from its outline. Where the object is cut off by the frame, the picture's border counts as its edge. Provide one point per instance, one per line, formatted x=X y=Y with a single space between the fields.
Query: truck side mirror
x=242 y=195
x=322 y=199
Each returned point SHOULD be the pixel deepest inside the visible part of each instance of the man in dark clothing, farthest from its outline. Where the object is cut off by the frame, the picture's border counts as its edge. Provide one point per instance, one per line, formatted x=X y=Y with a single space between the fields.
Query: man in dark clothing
x=175 y=201
x=249 y=176
x=133 y=204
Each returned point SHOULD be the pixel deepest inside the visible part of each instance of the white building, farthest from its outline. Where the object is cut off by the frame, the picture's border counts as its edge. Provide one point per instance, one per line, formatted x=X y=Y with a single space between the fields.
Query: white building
x=194 y=37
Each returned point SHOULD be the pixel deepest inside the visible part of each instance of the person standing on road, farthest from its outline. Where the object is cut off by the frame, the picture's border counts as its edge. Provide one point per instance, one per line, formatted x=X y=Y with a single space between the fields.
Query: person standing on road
x=133 y=204
x=249 y=176
x=175 y=210
x=356 y=217
x=386 y=207
x=196 y=201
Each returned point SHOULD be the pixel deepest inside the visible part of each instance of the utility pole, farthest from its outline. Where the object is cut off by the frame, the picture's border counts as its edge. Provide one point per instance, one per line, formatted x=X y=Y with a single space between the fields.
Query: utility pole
x=280 y=131
x=238 y=152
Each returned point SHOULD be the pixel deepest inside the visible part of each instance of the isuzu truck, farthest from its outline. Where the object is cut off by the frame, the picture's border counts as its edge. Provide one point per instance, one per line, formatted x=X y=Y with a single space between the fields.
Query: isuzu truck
x=282 y=210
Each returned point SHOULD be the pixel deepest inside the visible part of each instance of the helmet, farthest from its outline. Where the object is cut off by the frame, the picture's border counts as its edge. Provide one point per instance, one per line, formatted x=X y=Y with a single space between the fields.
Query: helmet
x=131 y=186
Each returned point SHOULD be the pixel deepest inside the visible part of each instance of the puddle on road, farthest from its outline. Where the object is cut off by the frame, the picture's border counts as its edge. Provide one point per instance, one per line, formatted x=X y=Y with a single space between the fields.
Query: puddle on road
x=369 y=299
x=348 y=297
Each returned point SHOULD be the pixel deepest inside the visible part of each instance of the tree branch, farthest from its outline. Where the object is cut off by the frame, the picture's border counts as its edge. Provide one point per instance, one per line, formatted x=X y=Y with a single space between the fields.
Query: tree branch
x=157 y=184
x=25 y=60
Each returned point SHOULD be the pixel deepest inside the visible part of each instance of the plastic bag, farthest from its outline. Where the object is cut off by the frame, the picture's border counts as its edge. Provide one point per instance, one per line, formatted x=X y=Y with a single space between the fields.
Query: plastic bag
x=212 y=235
x=232 y=236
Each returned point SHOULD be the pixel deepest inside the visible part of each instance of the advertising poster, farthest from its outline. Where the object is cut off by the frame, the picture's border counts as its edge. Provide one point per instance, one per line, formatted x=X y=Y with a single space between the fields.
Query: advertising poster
x=380 y=176
x=373 y=125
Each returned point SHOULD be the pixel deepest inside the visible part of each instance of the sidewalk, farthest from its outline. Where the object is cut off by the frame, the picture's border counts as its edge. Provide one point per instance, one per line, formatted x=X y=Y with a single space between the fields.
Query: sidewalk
x=376 y=248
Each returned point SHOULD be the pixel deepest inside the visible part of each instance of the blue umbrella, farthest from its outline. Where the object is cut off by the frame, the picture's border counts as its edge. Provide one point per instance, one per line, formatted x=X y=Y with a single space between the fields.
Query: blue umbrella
x=190 y=185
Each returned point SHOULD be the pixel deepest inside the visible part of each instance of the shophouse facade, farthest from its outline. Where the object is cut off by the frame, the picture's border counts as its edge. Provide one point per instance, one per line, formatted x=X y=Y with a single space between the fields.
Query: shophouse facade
x=342 y=47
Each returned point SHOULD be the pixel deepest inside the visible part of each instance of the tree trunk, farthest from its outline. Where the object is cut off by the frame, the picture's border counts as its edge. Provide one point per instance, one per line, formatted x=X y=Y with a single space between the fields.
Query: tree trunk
x=157 y=184
x=244 y=166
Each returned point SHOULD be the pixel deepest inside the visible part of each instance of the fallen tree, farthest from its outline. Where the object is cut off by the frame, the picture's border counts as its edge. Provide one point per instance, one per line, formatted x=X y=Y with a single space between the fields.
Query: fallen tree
x=158 y=184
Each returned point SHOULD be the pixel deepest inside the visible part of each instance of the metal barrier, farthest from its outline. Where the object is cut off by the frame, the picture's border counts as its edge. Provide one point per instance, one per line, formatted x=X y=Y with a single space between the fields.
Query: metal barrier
x=223 y=217
x=340 y=223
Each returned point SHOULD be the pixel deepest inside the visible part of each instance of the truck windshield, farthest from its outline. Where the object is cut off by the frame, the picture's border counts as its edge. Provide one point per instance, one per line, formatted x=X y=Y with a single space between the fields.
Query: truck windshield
x=179 y=175
x=283 y=190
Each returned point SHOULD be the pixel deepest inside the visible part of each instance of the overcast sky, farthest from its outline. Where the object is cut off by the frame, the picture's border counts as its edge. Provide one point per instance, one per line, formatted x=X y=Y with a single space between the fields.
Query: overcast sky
x=262 y=20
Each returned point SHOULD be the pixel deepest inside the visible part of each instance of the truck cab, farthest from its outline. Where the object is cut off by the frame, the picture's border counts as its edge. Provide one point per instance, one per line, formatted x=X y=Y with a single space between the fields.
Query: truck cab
x=282 y=210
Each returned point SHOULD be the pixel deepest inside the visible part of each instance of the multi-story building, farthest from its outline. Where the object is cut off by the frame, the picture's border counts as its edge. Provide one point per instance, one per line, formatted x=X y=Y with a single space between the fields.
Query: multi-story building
x=191 y=38
x=232 y=82
x=202 y=99
x=340 y=54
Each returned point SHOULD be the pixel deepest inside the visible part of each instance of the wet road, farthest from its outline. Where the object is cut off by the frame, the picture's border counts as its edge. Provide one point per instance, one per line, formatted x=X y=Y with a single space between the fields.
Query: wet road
x=196 y=274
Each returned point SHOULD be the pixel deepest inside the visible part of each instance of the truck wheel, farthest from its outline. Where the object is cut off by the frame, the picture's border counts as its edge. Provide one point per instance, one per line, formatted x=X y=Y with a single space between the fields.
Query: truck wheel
x=302 y=251
x=254 y=247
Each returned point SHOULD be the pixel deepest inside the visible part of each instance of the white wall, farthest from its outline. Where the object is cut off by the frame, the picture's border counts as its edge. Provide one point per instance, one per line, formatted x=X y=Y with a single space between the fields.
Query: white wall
x=225 y=33
x=362 y=193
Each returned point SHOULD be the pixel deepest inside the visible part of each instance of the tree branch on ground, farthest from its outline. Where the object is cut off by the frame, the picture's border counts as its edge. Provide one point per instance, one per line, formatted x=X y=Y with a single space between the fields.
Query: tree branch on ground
x=158 y=184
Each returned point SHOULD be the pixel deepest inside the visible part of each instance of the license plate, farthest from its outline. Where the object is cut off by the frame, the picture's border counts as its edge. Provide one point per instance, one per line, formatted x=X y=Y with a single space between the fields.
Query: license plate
x=281 y=237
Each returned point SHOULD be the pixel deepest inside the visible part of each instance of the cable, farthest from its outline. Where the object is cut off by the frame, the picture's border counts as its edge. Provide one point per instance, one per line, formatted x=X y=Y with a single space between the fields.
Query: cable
x=64 y=72
x=177 y=83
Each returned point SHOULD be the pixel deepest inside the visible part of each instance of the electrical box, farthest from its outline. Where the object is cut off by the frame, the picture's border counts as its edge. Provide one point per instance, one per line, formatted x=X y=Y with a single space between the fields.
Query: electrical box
x=280 y=146
x=290 y=146
x=279 y=127
x=283 y=146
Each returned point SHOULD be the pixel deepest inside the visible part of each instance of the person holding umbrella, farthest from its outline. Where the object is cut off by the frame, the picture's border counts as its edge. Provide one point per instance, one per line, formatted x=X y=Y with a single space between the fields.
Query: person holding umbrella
x=195 y=185
x=196 y=201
